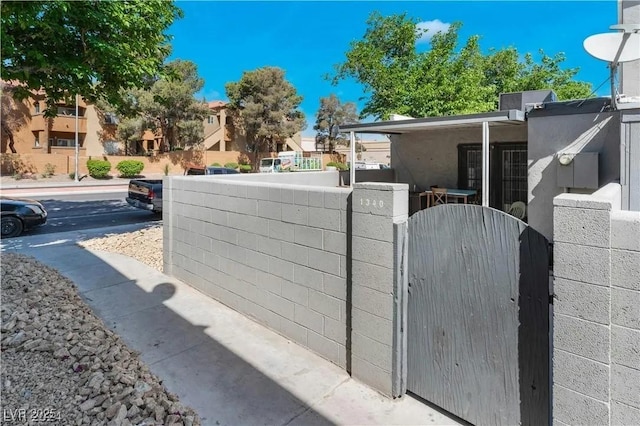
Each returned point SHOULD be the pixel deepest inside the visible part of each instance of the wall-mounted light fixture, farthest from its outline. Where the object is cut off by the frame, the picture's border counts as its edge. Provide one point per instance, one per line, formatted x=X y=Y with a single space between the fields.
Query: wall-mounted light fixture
x=565 y=159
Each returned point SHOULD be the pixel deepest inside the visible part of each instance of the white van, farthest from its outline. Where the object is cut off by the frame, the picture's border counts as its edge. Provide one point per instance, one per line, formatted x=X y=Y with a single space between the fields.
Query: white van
x=270 y=165
x=292 y=161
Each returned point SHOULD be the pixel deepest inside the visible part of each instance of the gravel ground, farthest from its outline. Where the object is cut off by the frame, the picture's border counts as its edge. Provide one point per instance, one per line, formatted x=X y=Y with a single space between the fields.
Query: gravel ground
x=61 y=365
x=144 y=245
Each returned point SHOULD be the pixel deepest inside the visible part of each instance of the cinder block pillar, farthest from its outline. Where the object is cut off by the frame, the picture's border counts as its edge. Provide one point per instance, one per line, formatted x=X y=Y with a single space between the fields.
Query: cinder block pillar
x=378 y=248
x=582 y=309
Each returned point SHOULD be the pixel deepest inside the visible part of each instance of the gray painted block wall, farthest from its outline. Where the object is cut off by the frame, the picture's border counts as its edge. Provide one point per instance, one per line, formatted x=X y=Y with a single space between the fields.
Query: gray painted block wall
x=380 y=213
x=596 y=365
x=274 y=252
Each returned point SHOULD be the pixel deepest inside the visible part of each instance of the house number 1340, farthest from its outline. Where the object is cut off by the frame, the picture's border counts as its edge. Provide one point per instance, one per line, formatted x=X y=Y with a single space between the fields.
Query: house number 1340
x=368 y=202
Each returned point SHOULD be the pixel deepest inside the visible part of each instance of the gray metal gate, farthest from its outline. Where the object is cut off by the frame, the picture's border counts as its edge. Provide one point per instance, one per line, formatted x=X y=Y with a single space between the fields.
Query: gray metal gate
x=478 y=315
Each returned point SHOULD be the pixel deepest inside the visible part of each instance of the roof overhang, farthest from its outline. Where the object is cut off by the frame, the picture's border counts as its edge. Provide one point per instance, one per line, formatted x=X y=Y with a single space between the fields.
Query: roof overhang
x=512 y=117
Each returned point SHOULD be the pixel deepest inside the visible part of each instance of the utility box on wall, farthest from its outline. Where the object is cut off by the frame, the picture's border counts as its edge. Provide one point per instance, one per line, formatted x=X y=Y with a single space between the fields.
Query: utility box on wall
x=578 y=170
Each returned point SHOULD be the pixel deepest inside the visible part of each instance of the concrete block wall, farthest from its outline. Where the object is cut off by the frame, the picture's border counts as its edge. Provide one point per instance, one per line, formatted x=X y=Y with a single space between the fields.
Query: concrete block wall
x=273 y=251
x=380 y=213
x=625 y=318
x=596 y=359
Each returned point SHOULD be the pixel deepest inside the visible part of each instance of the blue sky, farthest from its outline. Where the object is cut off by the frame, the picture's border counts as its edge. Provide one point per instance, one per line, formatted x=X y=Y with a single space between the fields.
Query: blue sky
x=225 y=38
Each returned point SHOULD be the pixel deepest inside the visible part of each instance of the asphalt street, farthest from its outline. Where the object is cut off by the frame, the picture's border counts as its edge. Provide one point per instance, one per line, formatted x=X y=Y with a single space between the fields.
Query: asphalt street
x=73 y=212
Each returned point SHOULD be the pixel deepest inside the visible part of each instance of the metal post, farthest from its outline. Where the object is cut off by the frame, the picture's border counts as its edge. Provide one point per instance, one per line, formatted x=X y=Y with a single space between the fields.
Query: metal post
x=485 y=164
x=76 y=179
x=352 y=169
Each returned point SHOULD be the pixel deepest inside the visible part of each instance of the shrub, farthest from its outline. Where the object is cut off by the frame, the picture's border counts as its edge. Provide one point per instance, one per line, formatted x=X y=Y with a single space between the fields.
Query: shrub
x=98 y=169
x=231 y=165
x=339 y=166
x=130 y=168
x=166 y=169
x=245 y=168
x=17 y=176
x=49 y=170
x=216 y=165
x=72 y=175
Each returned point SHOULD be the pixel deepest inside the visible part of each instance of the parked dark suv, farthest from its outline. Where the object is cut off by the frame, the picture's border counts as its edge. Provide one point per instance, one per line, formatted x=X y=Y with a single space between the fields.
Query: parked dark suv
x=210 y=170
x=19 y=214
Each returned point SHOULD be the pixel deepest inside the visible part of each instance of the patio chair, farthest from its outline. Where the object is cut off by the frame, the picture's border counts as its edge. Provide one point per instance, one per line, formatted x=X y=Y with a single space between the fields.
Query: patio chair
x=438 y=196
x=518 y=210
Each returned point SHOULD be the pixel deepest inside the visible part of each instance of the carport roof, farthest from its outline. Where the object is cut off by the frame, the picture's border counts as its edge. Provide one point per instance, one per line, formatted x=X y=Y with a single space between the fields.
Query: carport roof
x=496 y=118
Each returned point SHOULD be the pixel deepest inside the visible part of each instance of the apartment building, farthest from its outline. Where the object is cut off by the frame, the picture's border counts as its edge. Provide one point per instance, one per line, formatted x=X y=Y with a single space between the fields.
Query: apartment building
x=25 y=129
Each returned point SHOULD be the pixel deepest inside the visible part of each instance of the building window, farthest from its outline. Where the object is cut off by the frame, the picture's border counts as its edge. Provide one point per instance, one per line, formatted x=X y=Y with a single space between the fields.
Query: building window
x=64 y=143
x=36 y=142
x=36 y=107
x=67 y=111
x=211 y=119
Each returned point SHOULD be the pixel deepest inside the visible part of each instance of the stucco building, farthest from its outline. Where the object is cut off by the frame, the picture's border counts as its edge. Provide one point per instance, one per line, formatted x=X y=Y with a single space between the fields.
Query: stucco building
x=33 y=133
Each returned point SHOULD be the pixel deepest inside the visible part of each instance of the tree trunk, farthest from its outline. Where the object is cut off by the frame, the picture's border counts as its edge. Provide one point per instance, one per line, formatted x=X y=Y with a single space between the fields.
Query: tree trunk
x=9 y=134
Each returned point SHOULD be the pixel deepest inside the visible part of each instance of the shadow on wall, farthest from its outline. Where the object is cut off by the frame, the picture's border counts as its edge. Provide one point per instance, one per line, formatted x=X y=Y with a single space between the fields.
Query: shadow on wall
x=218 y=384
x=589 y=133
x=14 y=116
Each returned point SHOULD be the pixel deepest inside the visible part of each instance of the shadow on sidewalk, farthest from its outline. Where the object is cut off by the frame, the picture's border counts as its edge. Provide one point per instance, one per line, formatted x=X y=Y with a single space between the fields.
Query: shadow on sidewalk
x=198 y=353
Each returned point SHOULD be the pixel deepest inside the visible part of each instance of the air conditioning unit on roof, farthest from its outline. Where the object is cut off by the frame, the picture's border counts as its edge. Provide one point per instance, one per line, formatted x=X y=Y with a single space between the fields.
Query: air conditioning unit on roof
x=519 y=100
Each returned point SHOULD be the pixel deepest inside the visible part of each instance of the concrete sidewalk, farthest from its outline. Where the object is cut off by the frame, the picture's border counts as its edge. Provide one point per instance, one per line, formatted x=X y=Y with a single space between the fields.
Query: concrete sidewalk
x=230 y=369
x=44 y=187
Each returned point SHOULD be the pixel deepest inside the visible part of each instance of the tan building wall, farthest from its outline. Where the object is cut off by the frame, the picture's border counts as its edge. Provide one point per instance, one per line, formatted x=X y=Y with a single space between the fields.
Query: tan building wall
x=34 y=133
x=374 y=151
x=64 y=162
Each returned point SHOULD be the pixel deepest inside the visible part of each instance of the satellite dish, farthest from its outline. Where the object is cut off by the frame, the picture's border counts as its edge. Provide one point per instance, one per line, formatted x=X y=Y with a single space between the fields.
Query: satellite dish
x=614 y=47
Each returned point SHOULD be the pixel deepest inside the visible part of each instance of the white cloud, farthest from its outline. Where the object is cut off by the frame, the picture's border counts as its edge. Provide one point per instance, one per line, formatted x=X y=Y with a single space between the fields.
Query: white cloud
x=428 y=29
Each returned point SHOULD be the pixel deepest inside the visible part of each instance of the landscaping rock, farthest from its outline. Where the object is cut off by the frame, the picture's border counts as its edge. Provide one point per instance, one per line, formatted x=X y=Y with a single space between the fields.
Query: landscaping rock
x=144 y=245
x=58 y=356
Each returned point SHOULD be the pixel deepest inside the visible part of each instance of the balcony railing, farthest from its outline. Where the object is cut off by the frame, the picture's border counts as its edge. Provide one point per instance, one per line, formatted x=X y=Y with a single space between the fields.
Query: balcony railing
x=61 y=123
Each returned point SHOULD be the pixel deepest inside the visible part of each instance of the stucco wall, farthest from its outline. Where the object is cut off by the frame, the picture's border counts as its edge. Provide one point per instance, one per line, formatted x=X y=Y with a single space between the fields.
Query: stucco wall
x=596 y=365
x=92 y=140
x=549 y=135
x=429 y=158
x=64 y=158
x=629 y=13
x=274 y=251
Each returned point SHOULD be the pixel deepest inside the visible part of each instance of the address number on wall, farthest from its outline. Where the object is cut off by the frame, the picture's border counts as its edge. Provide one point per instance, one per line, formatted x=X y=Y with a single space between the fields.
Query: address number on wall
x=368 y=202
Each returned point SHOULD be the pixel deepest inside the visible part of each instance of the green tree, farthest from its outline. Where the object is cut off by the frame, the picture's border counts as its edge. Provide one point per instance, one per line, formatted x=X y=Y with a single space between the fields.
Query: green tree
x=265 y=107
x=91 y=48
x=444 y=79
x=129 y=132
x=169 y=108
x=332 y=114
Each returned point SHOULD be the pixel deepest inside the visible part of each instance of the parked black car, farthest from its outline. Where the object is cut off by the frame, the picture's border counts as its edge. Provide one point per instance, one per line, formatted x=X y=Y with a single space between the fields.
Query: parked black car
x=19 y=214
